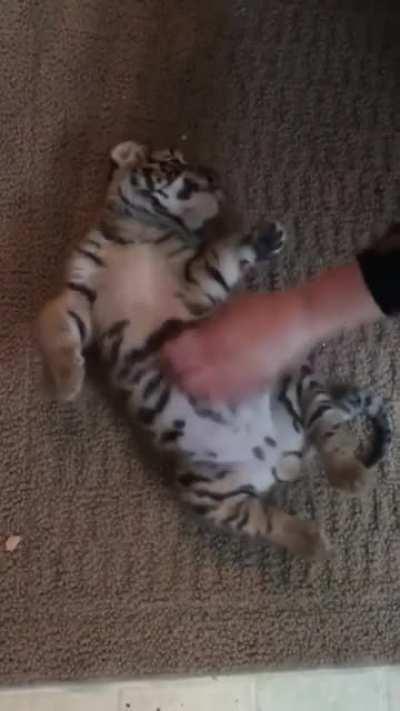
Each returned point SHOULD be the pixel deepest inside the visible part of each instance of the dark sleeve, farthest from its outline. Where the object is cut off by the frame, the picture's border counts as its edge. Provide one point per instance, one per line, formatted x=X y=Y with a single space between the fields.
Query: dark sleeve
x=381 y=272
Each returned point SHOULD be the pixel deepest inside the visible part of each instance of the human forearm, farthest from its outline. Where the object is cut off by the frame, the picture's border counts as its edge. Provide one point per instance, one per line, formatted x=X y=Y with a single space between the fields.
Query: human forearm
x=338 y=299
x=255 y=337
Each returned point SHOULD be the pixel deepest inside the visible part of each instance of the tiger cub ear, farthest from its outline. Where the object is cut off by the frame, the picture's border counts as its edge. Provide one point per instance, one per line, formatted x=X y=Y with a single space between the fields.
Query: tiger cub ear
x=128 y=153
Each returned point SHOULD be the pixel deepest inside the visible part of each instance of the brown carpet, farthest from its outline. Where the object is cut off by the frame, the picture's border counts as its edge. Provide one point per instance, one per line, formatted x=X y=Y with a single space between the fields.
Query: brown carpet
x=298 y=102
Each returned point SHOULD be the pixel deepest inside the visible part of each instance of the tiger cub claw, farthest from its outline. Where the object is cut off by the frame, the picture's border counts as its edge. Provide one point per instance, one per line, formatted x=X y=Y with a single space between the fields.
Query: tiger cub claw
x=269 y=240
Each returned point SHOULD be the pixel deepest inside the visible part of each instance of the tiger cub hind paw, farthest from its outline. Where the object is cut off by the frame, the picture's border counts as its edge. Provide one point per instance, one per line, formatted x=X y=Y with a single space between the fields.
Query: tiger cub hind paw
x=347 y=473
x=269 y=240
x=67 y=373
x=312 y=543
x=304 y=538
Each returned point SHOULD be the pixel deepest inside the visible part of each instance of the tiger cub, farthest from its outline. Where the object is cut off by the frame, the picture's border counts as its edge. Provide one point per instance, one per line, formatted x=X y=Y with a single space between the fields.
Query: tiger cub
x=137 y=278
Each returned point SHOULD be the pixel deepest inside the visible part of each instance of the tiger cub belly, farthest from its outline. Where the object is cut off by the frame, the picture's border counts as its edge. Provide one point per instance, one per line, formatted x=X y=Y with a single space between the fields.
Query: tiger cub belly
x=137 y=284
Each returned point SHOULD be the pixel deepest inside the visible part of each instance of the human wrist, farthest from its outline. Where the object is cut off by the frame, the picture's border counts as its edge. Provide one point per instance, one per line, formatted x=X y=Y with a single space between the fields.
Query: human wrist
x=289 y=316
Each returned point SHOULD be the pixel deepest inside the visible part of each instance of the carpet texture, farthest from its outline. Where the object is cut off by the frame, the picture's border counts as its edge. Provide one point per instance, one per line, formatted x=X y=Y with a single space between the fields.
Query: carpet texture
x=298 y=104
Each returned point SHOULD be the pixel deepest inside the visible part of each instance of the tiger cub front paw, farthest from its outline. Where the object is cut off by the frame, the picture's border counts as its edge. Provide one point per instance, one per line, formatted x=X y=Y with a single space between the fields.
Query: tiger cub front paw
x=67 y=371
x=269 y=240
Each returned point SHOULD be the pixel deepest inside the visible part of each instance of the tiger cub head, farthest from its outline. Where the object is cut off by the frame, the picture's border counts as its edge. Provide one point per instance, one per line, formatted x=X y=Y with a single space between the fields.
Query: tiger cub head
x=164 y=185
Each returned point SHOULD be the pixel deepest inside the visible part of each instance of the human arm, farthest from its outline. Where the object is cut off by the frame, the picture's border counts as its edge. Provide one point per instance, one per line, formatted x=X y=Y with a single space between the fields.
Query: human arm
x=254 y=337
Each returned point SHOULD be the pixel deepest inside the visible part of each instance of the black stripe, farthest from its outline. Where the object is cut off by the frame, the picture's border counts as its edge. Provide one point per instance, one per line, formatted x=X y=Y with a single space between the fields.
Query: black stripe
x=169 y=329
x=201 y=509
x=116 y=328
x=211 y=299
x=216 y=274
x=319 y=412
x=210 y=453
x=221 y=474
x=275 y=473
x=148 y=414
x=293 y=453
x=244 y=263
x=171 y=436
x=284 y=399
x=210 y=415
x=84 y=290
x=192 y=280
x=188 y=453
x=246 y=490
x=259 y=453
x=114 y=351
x=179 y=424
x=152 y=385
x=80 y=324
x=270 y=441
x=165 y=238
x=187 y=189
x=125 y=200
x=243 y=520
x=147 y=174
x=267 y=520
x=299 y=390
x=206 y=412
x=233 y=516
x=382 y=439
x=109 y=234
x=93 y=257
x=190 y=478
x=196 y=310
x=157 y=205
x=133 y=356
x=161 y=192
x=331 y=432
x=178 y=250
x=205 y=461
x=315 y=385
x=138 y=376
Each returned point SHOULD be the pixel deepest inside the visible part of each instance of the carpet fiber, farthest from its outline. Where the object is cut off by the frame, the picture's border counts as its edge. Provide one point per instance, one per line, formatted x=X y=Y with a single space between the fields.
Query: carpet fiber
x=298 y=103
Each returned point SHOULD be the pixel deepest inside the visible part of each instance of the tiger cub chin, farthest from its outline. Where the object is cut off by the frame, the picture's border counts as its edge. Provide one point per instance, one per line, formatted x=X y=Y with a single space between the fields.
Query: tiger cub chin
x=139 y=276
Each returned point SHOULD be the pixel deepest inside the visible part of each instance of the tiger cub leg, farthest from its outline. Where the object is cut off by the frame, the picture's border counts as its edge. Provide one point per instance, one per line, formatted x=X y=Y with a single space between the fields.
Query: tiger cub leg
x=323 y=420
x=239 y=508
x=213 y=272
x=64 y=329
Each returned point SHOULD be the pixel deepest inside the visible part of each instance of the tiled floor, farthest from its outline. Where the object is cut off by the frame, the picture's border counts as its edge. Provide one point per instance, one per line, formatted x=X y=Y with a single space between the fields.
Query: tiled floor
x=373 y=689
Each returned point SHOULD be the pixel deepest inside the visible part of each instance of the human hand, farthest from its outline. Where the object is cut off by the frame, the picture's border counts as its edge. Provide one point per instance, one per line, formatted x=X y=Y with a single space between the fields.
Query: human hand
x=244 y=345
